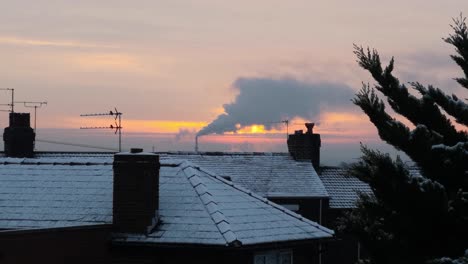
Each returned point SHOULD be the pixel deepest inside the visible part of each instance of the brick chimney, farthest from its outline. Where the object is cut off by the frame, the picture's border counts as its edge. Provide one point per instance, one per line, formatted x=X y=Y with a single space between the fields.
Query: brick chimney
x=136 y=191
x=305 y=146
x=19 y=137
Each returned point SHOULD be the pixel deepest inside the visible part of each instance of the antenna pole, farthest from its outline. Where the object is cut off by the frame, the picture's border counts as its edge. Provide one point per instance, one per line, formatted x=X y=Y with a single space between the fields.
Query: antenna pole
x=117 y=127
x=12 y=100
x=12 y=104
x=284 y=122
x=35 y=118
x=120 y=132
x=287 y=127
x=34 y=105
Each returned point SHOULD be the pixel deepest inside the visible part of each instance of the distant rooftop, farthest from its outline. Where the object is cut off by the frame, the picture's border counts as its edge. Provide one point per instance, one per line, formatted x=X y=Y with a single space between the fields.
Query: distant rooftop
x=271 y=175
x=342 y=187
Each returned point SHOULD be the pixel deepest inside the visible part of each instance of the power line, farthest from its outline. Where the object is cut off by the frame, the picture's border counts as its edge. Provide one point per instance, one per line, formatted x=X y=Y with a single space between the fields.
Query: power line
x=74 y=144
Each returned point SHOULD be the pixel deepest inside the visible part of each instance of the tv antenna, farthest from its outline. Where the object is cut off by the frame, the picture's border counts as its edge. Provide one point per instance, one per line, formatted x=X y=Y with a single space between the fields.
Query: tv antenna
x=117 y=126
x=34 y=105
x=284 y=122
x=287 y=127
x=12 y=104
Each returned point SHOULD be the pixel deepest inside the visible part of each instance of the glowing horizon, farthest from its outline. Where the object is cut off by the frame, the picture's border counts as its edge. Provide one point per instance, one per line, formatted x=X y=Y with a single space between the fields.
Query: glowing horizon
x=335 y=127
x=175 y=66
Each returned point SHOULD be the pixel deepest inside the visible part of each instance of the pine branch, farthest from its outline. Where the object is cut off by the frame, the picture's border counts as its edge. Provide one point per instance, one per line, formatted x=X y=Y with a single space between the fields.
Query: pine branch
x=394 y=132
x=446 y=260
x=408 y=203
x=417 y=216
x=418 y=111
x=460 y=40
x=451 y=104
x=450 y=163
x=418 y=144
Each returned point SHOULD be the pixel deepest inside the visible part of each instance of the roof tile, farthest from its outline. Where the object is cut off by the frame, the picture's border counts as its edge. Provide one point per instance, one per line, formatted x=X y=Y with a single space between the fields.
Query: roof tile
x=342 y=187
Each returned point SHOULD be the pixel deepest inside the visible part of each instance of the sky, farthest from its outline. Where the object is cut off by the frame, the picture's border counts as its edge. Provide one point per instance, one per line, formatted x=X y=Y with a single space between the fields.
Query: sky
x=230 y=69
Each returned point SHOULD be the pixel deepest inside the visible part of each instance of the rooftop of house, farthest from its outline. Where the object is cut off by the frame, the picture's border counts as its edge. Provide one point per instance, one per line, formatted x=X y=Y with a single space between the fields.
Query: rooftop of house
x=271 y=175
x=342 y=187
x=197 y=206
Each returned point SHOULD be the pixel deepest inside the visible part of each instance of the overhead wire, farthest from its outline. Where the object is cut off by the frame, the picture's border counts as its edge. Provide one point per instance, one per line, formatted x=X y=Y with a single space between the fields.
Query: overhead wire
x=75 y=144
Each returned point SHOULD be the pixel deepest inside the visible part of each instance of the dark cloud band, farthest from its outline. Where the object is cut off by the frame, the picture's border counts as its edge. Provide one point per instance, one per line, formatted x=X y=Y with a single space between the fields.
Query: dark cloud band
x=263 y=101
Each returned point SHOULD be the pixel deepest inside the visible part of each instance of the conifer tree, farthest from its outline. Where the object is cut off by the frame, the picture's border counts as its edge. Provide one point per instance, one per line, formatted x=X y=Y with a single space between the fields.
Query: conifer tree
x=415 y=215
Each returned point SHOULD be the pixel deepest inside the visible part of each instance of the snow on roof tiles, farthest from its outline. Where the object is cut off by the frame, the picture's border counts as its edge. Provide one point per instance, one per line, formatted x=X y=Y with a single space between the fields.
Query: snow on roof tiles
x=270 y=175
x=342 y=188
x=196 y=206
x=267 y=174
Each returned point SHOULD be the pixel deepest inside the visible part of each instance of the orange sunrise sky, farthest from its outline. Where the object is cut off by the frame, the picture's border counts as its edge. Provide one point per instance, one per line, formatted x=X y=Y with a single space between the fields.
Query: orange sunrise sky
x=174 y=67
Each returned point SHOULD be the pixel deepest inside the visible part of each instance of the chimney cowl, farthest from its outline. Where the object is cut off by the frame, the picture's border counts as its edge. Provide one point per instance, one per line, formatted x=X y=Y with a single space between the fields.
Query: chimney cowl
x=310 y=127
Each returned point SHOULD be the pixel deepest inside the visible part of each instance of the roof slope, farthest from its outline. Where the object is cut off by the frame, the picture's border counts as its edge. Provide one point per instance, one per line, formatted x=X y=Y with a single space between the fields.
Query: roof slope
x=196 y=206
x=48 y=194
x=342 y=188
x=271 y=175
x=267 y=174
x=226 y=214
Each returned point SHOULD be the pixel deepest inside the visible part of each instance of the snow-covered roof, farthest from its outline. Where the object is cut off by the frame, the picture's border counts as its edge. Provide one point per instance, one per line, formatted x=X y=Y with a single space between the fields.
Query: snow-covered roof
x=47 y=193
x=342 y=187
x=196 y=205
x=271 y=175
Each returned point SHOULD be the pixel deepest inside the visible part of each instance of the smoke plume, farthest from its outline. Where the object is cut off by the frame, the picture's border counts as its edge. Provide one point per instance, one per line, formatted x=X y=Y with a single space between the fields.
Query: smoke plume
x=262 y=101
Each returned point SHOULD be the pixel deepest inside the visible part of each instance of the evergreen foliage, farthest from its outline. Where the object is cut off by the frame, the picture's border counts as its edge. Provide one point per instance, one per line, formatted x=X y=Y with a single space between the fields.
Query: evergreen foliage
x=416 y=215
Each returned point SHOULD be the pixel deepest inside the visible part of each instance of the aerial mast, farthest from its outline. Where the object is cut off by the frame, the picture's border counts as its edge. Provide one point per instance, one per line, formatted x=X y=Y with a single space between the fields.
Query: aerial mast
x=12 y=104
x=118 y=123
x=34 y=105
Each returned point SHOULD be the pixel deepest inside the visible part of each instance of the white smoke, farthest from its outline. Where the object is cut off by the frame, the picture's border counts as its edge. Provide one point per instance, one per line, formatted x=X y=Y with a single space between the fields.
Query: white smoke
x=262 y=101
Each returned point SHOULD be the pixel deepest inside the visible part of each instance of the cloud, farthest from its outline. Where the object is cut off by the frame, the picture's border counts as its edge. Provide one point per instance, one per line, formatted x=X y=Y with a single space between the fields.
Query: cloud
x=48 y=43
x=264 y=101
x=106 y=61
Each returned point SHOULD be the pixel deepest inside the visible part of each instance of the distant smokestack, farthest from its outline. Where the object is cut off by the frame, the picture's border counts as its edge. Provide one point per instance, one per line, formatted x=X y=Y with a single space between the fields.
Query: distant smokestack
x=196 y=143
x=305 y=146
x=19 y=137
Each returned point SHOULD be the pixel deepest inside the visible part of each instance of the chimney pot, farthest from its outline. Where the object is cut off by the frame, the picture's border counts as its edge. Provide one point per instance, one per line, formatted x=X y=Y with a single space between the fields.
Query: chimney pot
x=136 y=150
x=310 y=127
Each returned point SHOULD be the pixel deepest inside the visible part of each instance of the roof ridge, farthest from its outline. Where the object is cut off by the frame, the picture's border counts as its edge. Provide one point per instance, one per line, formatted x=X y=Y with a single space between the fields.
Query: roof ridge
x=266 y=201
x=70 y=163
x=211 y=206
x=222 y=153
